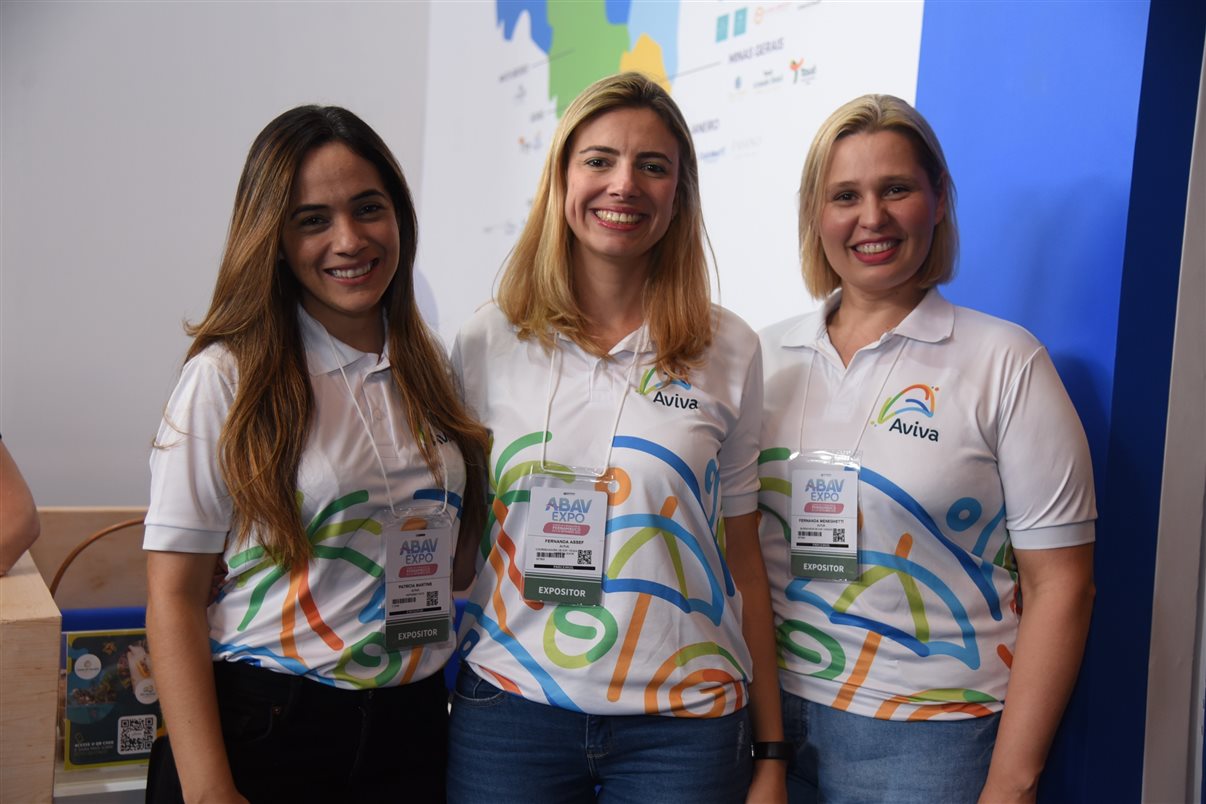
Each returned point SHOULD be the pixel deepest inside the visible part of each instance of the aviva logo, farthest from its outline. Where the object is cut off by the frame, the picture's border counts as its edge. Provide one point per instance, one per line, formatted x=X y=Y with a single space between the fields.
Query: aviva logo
x=916 y=398
x=649 y=386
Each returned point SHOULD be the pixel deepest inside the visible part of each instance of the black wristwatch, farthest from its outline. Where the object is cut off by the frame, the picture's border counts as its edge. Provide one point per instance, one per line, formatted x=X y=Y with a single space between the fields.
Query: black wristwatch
x=773 y=750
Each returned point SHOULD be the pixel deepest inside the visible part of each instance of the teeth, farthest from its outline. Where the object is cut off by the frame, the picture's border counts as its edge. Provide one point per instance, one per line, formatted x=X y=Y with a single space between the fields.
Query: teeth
x=351 y=273
x=876 y=248
x=616 y=217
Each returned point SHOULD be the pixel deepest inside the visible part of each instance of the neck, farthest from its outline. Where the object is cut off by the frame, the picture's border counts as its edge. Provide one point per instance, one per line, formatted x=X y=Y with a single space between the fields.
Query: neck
x=863 y=318
x=366 y=333
x=612 y=298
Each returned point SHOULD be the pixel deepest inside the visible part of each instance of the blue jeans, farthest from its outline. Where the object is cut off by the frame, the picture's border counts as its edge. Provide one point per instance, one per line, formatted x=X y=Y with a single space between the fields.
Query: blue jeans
x=504 y=748
x=844 y=758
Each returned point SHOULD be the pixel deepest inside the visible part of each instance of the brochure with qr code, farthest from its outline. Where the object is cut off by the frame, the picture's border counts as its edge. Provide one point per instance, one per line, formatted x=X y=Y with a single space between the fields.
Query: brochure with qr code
x=111 y=712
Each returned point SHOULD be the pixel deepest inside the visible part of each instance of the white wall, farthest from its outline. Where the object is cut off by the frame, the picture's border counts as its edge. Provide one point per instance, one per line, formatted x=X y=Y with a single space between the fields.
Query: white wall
x=123 y=128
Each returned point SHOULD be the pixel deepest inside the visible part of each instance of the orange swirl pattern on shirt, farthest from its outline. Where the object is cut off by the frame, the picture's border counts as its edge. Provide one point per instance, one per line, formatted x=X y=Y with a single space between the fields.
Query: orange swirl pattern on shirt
x=637 y=623
x=929 y=710
x=299 y=595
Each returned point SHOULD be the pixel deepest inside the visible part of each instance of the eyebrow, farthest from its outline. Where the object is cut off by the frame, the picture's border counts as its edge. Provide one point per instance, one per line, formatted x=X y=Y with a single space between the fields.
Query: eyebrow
x=614 y=152
x=881 y=180
x=301 y=209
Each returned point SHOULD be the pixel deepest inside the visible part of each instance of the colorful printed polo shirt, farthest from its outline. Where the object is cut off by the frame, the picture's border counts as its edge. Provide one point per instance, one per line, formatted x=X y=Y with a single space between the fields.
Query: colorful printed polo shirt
x=324 y=620
x=970 y=448
x=666 y=637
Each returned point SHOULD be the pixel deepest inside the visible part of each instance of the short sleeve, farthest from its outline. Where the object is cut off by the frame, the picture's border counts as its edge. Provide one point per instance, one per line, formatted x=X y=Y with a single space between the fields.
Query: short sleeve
x=1043 y=458
x=739 y=452
x=190 y=509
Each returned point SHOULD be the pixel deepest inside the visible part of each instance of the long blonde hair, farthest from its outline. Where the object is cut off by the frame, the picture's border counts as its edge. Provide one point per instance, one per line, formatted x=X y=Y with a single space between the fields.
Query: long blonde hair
x=254 y=315
x=536 y=290
x=869 y=114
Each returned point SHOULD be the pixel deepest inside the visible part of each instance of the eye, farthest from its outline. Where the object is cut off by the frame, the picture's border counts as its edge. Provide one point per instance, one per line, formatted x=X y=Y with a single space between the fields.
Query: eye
x=311 y=221
x=897 y=189
x=656 y=168
x=595 y=162
x=843 y=197
x=371 y=208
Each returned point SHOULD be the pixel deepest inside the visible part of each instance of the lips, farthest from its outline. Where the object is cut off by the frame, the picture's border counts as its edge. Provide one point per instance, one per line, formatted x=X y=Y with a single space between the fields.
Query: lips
x=352 y=271
x=874 y=252
x=614 y=218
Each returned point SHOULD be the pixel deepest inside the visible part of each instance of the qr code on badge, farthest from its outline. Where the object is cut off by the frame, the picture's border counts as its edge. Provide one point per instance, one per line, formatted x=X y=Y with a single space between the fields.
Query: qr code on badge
x=433 y=598
x=585 y=558
x=839 y=535
x=135 y=734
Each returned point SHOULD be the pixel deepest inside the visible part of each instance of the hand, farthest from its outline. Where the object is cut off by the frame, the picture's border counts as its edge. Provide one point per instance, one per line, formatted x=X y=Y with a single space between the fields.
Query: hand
x=769 y=785
x=219 y=579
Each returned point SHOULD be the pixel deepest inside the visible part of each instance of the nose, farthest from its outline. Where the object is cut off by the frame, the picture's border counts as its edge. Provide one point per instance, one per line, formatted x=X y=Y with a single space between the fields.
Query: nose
x=348 y=237
x=872 y=214
x=624 y=181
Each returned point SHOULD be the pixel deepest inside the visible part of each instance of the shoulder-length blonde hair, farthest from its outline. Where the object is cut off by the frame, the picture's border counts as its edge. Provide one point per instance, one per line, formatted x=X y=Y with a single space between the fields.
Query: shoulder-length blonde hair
x=536 y=291
x=867 y=115
x=254 y=315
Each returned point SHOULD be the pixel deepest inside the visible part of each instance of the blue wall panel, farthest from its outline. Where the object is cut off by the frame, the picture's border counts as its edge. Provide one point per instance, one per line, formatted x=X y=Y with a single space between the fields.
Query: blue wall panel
x=1068 y=127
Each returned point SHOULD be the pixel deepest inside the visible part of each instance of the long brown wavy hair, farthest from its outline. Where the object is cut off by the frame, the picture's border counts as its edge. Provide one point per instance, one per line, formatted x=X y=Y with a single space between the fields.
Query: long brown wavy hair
x=536 y=290
x=254 y=315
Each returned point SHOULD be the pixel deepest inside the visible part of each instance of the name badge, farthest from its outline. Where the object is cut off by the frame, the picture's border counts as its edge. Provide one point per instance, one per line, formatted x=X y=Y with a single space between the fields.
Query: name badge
x=418 y=585
x=824 y=515
x=565 y=542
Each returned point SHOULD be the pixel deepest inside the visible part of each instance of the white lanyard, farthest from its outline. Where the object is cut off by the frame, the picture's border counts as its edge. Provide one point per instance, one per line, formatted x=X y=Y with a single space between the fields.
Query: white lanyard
x=874 y=400
x=389 y=494
x=554 y=374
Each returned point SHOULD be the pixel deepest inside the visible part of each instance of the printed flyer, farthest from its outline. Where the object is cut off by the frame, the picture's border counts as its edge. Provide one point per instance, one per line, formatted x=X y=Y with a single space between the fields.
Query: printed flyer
x=111 y=713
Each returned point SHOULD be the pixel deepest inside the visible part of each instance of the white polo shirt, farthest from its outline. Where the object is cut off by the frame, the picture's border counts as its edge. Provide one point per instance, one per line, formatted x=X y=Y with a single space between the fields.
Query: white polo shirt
x=326 y=619
x=666 y=638
x=970 y=448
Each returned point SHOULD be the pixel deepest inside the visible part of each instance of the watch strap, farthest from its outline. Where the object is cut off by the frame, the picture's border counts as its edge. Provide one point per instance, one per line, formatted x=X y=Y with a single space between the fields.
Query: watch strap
x=777 y=749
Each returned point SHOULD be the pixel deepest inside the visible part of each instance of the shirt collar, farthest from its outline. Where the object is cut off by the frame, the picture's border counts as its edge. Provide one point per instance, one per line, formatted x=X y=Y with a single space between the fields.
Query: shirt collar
x=931 y=321
x=326 y=353
x=639 y=338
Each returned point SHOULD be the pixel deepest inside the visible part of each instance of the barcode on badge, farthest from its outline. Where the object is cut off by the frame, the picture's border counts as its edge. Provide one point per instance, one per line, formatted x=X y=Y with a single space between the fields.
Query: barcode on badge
x=549 y=554
x=135 y=733
x=810 y=534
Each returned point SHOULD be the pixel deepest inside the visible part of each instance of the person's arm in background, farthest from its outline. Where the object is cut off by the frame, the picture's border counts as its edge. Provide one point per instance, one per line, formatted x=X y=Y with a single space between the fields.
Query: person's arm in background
x=19 y=524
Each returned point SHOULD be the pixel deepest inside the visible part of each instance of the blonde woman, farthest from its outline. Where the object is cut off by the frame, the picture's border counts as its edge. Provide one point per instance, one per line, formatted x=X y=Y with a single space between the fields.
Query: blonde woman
x=927 y=496
x=314 y=444
x=617 y=643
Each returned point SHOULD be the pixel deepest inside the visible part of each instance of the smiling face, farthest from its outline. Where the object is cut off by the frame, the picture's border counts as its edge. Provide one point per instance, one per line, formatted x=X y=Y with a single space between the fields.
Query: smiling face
x=878 y=214
x=341 y=241
x=621 y=178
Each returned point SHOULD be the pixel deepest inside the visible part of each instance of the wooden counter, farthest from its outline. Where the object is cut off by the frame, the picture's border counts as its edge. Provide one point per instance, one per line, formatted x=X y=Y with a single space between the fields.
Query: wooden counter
x=29 y=684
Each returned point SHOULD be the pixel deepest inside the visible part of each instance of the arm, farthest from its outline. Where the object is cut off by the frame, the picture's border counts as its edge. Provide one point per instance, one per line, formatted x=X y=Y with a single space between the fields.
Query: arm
x=1057 y=599
x=744 y=557
x=178 y=588
x=19 y=525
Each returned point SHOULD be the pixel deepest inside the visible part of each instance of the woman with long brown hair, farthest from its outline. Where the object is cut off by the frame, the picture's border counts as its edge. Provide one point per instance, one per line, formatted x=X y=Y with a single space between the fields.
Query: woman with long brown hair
x=316 y=445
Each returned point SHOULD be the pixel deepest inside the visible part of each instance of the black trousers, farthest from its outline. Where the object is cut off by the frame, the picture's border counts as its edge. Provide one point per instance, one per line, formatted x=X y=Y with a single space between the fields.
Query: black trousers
x=292 y=739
